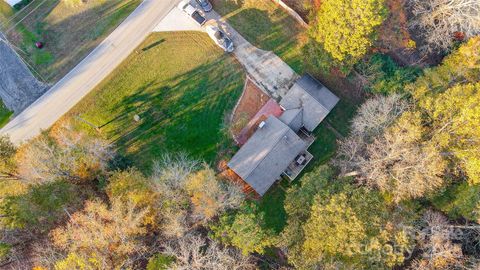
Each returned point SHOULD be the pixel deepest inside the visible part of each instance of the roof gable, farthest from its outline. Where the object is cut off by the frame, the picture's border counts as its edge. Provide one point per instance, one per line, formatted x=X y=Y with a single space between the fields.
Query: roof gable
x=265 y=156
x=315 y=99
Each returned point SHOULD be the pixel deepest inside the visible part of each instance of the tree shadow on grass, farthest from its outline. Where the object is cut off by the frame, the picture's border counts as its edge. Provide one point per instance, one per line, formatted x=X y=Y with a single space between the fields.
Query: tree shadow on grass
x=183 y=114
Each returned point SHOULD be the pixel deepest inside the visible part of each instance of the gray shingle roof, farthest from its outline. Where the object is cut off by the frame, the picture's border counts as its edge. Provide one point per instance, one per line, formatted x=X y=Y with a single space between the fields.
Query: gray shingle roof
x=315 y=99
x=293 y=118
x=265 y=156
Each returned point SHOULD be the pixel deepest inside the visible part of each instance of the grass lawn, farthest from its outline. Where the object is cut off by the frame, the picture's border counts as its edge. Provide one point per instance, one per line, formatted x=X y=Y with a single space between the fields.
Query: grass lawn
x=267 y=26
x=180 y=84
x=69 y=32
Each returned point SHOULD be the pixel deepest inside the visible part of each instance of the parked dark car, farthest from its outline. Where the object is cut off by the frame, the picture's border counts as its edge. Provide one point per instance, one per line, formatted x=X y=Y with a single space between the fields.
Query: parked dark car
x=192 y=12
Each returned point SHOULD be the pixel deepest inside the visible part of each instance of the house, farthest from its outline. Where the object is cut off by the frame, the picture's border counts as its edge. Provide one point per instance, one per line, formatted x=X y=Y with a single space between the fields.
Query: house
x=279 y=145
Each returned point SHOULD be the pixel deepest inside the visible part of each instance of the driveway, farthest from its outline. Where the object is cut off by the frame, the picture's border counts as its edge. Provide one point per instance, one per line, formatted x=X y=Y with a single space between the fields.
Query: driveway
x=57 y=101
x=264 y=67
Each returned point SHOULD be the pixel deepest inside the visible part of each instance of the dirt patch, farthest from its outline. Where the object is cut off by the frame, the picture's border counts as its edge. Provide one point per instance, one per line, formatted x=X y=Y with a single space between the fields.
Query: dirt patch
x=270 y=108
x=252 y=100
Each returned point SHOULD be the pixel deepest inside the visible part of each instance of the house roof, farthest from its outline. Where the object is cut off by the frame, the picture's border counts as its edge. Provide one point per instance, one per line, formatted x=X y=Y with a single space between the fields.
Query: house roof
x=315 y=99
x=293 y=118
x=267 y=154
x=270 y=108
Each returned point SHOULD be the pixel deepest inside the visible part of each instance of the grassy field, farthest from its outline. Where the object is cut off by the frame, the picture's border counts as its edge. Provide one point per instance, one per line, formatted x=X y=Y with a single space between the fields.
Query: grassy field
x=180 y=84
x=69 y=32
x=267 y=26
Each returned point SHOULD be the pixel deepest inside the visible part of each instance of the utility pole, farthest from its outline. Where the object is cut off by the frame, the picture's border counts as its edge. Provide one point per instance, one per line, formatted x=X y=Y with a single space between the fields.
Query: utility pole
x=97 y=129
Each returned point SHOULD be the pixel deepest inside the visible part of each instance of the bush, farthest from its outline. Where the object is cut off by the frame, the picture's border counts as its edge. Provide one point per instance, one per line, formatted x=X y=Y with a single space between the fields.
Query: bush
x=4 y=250
x=159 y=262
x=381 y=75
x=40 y=207
x=460 y=200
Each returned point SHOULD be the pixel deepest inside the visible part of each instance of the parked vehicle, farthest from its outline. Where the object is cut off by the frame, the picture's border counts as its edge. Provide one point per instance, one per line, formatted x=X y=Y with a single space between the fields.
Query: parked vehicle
x=220 y=38
x=191 y=11
x=205 y=4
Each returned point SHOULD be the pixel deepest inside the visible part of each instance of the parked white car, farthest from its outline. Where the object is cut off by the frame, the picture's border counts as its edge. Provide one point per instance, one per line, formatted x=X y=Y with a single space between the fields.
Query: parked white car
x=191 y=11
x=220 y=38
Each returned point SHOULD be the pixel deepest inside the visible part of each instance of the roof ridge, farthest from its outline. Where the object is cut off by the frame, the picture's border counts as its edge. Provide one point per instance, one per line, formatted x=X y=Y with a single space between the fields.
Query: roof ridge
x=274 y=145
x=318 y=101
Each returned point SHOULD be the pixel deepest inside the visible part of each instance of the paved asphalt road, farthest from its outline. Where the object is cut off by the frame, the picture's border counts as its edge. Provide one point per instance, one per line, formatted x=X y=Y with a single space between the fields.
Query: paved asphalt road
x=57 y=101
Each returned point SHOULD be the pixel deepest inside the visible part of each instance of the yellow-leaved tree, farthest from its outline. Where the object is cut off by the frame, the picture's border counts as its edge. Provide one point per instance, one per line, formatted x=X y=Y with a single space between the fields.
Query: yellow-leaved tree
x=346 y=28
x=455 y=121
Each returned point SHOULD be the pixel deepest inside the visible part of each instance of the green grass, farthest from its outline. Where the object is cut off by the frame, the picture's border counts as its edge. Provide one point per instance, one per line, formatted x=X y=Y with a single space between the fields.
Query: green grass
x=68 y=32
x=266 y=26
x=5 y=114
x=180 y=84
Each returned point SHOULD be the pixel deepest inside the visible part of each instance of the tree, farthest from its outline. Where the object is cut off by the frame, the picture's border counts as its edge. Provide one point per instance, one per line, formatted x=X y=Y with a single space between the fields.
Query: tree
x=355 y=227
x=195 y=252
x=346 y=28
x=169 y=178
x=446 y=96
x=210 y=196
x=379 y=74
x=131 y=186
x=459 y=200
x=182 y=187
x=40 y=207
x=440 y=21
x=436 y=242
x=398 y=161
x=64 y=154
x=245 y=230
x=376 y=114
x=7 y=157
x=159 y=261
x=454 y=117
x=298 y=202
x=461 y=66
x=100 y=237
